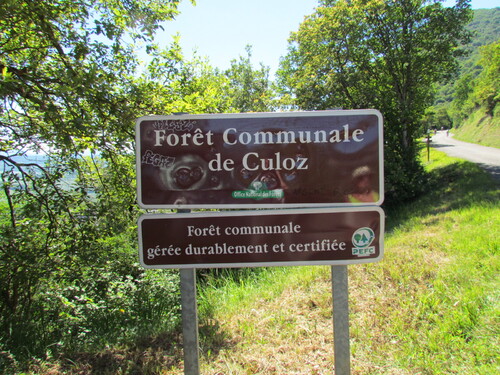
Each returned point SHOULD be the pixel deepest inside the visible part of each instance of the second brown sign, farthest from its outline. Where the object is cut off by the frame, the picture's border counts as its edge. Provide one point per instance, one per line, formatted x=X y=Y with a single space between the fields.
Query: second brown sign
x=262 y=238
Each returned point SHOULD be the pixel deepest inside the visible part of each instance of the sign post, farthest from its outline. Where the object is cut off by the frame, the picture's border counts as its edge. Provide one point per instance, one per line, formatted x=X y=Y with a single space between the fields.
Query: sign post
x=189 y=321
x=340 y=294
x=324 y=167
x=189 y=318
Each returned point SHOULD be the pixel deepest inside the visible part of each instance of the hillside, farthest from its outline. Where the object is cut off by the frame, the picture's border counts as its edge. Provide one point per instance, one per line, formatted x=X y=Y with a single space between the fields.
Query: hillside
x=480 y=128
x=468 y=103
x=485 y=27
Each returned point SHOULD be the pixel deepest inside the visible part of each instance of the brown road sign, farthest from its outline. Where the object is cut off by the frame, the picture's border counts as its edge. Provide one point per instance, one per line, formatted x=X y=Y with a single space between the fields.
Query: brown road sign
x=262 y=238
x=259 y=160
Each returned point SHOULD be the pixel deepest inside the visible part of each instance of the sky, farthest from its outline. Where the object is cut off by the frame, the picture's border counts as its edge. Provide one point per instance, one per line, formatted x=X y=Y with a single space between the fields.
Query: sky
x=221 y=29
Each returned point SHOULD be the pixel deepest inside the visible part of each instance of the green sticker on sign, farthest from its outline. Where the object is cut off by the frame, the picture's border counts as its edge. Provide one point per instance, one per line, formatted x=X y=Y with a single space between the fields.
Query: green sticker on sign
x=258 y=190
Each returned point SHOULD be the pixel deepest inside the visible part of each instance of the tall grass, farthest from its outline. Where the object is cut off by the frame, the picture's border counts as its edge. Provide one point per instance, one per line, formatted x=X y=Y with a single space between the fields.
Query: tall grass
x=430 y=307
x=481 y=128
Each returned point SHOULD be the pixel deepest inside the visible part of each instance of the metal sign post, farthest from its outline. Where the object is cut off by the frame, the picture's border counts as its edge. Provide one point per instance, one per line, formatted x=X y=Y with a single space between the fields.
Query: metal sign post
x=189 y=318
x=342 y=352
x=189 y=321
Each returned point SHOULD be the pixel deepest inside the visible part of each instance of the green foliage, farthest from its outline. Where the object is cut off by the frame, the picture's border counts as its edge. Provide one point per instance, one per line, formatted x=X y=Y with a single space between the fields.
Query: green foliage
x=173 y=85
x=68 y=87
x=379 y=54
x=485 y=30
x=486 y=26
x=249 y=90
x=487 y=89
x=436 y=118
x=472 y=94
x=70 y=274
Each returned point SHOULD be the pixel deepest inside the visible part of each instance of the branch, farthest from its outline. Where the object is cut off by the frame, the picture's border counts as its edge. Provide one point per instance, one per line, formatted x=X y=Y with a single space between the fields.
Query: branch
x=9 y=201
x=20 y=167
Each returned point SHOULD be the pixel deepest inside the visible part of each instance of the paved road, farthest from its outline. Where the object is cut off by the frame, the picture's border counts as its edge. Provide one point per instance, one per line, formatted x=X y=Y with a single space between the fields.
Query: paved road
x=487 y=157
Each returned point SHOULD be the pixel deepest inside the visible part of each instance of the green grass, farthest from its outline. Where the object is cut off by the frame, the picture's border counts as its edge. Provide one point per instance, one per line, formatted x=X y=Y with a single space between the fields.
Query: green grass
x=480 y=128
x=430 y=307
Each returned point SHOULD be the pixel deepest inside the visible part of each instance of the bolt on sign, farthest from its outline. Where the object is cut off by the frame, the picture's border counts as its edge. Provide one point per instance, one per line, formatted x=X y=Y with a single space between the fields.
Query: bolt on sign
x=259 y=160
x=311 y=236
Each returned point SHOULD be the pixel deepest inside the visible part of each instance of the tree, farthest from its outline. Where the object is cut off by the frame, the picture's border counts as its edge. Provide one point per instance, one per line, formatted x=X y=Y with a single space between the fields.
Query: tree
x=385 y=54
x=478 y=91
x=487 y=89
x=436 y=118
x=70 y=91
x=249 y=89
x=175 y=85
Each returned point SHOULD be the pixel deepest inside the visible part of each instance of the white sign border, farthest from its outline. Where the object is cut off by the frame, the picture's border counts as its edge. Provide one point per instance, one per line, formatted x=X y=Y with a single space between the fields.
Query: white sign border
x=208 y=214
x=352 y=112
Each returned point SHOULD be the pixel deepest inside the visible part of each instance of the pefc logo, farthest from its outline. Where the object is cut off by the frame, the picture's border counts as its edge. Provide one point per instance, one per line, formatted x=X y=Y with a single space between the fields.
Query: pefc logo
x=361 y=240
